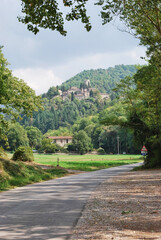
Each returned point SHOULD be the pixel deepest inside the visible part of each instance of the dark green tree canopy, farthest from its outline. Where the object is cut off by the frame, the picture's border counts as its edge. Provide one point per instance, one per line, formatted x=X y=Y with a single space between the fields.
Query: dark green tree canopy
x=81 y=142
x=17 y=136
x=34 y=136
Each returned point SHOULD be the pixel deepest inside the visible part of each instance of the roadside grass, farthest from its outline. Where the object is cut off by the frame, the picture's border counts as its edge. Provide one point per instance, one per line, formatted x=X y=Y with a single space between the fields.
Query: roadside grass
x=17 y=174
x=86 y=162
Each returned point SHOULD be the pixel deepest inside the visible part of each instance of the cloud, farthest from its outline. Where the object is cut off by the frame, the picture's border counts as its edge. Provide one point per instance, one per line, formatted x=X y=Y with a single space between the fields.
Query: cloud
x=38 y=79
x=41 y=79
x=23 y=49
x=99 y=60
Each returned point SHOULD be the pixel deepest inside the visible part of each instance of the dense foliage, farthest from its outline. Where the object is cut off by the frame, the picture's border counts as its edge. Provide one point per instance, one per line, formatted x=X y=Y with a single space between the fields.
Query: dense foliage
x=15 y=97
x=140 y=110
x=47 y=146
x=35 y=137
x=81 y=142
x=17 y=136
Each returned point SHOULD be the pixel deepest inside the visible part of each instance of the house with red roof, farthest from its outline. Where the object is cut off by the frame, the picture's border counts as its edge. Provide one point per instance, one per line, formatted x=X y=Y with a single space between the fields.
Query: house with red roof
x=61 y=140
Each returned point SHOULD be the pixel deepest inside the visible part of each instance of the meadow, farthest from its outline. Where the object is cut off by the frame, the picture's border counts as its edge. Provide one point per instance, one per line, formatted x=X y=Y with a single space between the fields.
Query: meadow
x=86 y=162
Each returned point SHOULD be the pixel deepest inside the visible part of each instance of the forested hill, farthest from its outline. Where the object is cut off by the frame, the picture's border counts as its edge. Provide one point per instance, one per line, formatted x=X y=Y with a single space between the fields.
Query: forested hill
x=64 y=113
x=102 y=79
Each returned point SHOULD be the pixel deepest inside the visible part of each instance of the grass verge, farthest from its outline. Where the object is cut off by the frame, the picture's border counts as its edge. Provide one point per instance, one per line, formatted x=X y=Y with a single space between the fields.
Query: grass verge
x=17 y=174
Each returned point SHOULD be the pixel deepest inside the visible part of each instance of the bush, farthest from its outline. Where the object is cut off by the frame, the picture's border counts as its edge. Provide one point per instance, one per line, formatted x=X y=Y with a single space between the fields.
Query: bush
x=70 y=147
x=47 y=146
x=50 y=148
x=23 y=153
x=101 y=151
x=2 y=153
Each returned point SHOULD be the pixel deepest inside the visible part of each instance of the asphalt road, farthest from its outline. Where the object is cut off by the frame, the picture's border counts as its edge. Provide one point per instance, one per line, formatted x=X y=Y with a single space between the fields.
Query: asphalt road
x=49 y=210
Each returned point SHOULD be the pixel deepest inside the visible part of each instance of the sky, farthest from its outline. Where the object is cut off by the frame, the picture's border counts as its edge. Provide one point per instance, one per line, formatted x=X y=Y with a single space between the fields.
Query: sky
x=48 y=59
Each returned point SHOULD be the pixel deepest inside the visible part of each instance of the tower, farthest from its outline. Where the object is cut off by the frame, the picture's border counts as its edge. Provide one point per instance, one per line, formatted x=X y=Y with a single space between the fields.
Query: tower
x=87 y=82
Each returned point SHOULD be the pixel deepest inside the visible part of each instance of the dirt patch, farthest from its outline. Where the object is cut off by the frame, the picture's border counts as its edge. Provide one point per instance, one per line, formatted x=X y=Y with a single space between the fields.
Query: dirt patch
x=124 y=207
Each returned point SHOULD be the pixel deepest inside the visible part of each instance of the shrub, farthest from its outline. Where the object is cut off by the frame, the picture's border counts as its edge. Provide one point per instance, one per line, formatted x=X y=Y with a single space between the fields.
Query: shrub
x=50 y=148
x=23 y=153
x=47 y=146
x=2 y=153
x=101 y=151
x=70 y=147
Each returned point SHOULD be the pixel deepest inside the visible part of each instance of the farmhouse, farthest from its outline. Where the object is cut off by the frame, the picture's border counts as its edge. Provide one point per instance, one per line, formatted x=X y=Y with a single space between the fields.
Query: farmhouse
x=61 y=140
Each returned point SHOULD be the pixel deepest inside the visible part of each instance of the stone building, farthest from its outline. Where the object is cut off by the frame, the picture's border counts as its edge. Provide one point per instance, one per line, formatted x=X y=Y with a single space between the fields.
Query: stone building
x=61 y=140
x=83 y=93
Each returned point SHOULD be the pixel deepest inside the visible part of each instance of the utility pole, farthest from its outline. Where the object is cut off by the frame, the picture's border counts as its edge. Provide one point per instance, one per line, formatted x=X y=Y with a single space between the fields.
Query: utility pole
x=118 y=144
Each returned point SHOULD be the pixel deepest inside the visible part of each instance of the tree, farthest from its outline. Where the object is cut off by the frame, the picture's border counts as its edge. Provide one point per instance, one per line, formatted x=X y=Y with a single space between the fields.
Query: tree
x=15 y=96
x=142 y=19
x=59 y=132
x=47 y=146
x=91 y=93
x=108 y=140
x=52 y=92
x=72 y=96
x=140 y=110
x=46 y=14
x=81 y=142
x=34 y=136
x=17 y=136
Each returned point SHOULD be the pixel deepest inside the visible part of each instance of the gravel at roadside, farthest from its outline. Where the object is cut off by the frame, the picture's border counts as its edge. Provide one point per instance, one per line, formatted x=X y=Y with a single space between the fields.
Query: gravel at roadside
x=125 y=207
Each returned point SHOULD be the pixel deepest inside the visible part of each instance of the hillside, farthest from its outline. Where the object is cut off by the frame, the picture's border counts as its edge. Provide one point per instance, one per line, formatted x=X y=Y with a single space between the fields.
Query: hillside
x=62 y=108
x=80 y=104
x=102 y=79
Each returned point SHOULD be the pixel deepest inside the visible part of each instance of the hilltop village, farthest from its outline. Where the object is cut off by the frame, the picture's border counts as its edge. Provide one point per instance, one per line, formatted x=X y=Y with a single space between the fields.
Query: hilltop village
x=83 y=92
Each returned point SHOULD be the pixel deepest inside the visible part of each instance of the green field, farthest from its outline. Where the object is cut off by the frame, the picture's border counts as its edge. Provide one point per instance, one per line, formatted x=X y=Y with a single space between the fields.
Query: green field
x=86 y=162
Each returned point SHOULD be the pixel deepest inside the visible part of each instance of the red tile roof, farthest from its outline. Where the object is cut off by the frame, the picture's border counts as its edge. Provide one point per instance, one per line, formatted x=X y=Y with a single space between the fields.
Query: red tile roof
x=60 y=137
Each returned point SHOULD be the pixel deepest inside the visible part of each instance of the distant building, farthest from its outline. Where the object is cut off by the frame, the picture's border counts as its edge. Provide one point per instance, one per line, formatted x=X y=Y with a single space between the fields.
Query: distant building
x=60 y=92
x=74 y=89
x=104 y=95
x=87 y=82
x=65 y=95
x=82 y=93
x=61 y=140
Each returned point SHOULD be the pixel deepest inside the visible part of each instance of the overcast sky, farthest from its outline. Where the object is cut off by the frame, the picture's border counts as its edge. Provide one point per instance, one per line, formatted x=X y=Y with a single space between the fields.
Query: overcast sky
x=48 y=59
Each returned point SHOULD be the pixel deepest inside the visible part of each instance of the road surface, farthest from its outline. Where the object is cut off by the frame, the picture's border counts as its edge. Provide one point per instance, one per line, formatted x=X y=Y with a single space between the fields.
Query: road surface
x=49 y=210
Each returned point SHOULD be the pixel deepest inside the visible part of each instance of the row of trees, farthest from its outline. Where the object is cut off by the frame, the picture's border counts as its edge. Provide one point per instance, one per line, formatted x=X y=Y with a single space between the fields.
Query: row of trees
x=30 y=136
x=89 y=134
